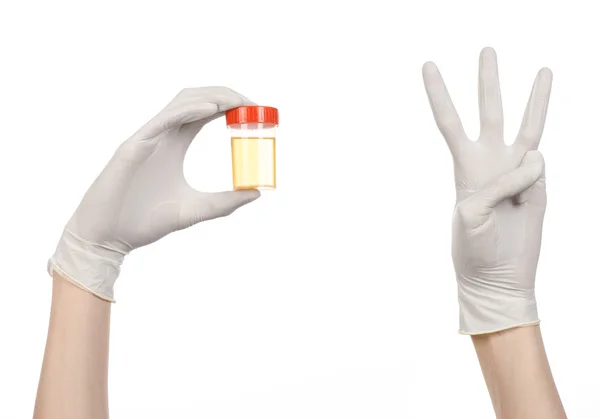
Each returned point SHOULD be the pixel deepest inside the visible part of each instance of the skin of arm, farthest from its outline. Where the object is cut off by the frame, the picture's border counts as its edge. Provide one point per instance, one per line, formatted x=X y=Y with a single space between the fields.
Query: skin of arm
x=517 y=374
x=74 y=377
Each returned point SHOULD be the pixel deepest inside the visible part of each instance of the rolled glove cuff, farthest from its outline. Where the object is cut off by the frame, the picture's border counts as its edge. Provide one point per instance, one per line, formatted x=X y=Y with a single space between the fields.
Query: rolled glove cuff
x=90 y=266
x=482 y=311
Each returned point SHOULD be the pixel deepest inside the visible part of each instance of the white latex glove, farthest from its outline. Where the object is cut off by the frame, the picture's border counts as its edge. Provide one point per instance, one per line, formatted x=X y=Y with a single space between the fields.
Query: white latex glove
x=500 y=202
x=142 y=195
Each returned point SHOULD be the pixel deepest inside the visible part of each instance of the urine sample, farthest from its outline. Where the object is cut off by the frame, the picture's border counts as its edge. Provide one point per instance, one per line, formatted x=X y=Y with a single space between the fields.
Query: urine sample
x=253 y=146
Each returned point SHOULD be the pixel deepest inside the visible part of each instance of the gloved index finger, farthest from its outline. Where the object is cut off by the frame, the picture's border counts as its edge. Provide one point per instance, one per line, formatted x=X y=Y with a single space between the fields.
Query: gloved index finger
x=443 y=109
x=223 y=97
x=191 y=105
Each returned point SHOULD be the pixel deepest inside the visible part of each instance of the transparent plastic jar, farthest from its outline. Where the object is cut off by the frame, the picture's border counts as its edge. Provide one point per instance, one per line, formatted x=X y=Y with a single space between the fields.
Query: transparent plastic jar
x=253 y=146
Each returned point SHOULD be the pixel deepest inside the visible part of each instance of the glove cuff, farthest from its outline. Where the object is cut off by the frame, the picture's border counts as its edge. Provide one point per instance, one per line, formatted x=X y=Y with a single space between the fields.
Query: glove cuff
x=483 y=312
x=90 y=266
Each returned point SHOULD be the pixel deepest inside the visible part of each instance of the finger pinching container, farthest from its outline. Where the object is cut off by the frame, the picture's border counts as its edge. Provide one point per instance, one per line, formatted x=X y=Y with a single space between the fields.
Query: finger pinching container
x=253 y=146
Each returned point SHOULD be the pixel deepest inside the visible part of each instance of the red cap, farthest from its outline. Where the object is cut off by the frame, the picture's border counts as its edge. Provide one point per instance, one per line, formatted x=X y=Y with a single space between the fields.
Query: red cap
x=252 y=114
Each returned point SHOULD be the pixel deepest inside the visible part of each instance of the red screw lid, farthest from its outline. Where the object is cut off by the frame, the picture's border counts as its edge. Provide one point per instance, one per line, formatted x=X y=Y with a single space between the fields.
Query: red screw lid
x=252 y=114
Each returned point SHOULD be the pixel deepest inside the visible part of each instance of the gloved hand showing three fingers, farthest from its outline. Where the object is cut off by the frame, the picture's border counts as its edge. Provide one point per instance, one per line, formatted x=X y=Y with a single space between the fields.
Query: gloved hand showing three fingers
x=142 y=195
x=500 y=202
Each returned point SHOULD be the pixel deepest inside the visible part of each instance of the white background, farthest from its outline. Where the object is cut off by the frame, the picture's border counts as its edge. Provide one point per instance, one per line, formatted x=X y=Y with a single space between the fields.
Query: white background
x=333 y=297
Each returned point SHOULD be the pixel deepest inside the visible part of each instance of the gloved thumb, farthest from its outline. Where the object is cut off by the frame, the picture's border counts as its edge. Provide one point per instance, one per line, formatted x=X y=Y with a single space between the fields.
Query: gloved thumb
x=208 y=206
x=477 y=208
x=530 y=157
x=513 y=183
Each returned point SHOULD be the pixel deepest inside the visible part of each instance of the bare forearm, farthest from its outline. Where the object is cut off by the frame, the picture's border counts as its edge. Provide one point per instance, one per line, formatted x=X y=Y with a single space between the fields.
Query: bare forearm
x=518 y=375
x=74 y=378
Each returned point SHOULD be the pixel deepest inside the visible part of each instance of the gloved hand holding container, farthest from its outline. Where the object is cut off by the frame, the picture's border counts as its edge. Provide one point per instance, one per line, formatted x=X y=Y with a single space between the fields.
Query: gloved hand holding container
x=253 y=146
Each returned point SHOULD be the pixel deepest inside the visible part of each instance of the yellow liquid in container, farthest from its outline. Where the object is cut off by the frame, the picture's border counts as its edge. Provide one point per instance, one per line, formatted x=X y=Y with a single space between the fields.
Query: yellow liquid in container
x=253 y=161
